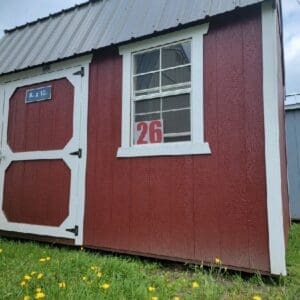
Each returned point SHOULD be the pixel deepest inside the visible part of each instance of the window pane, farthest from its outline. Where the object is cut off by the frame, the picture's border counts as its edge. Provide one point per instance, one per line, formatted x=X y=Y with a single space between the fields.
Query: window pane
x=177 y=121
x=146 y=62
x=176 y=55
x=177 y=75
x=177 y=139
x=148 y=81
x=146 y=106
x=148 y=117
x=175 y=102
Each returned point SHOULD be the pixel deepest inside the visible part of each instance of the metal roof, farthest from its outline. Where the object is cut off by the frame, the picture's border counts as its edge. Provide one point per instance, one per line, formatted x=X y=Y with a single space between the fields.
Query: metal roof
x=292 y=100
x=100 y=23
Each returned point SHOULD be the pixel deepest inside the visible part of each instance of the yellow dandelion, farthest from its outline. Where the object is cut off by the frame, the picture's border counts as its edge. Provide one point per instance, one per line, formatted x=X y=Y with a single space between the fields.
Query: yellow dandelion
x=33 y=273
x=38 y=290
x=23 y=283
x=84 y=278
x=62 y=285
x=40 y=276
x=218 y=261
x=48 y=258
x=93 y=268
x=104 y=286
x=39 y=295
x=176 y=298
x=151 y=288
x=256 y=297
x=26 y=298
x=99 y=274
x=154 y=298
x=195 y=285
x=1 y=250
x=27 y=277
x=42 y=259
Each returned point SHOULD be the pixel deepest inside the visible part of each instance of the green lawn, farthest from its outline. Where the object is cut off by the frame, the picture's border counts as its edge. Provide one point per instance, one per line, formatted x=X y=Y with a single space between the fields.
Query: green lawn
x=65 y=273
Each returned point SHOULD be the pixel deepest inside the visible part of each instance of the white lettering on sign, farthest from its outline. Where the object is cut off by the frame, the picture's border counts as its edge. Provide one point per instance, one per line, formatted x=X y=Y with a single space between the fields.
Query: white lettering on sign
x=148 y=132
x=38 y=94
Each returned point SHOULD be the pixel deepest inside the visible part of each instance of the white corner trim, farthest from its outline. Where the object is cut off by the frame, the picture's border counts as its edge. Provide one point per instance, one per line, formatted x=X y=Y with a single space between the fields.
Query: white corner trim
x=197 y=144
x=170 y=149
x=272 y=145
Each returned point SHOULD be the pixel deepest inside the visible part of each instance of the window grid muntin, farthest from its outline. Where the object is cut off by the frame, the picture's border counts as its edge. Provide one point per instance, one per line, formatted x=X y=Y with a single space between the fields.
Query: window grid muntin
x=162 y=93
x=160 y=112
x=160 y=70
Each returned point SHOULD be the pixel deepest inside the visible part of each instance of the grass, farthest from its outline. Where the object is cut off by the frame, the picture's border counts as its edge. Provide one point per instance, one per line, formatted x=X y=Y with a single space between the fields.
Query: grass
x=68 y=273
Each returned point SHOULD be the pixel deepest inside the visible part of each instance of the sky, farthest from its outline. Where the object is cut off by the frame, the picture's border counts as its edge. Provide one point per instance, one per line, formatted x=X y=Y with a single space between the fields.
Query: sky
x=18 y=12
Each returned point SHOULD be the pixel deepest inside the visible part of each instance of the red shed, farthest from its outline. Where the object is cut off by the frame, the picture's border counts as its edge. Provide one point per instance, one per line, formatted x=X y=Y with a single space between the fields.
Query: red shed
x=148 y=127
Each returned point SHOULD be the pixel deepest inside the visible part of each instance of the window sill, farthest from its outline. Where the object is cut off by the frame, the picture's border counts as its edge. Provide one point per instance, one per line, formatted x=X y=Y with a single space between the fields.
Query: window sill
x=173 y=149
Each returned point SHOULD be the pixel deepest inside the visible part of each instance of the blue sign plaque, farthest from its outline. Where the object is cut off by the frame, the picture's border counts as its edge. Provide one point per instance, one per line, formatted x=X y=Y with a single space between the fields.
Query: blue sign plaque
x=38 y=94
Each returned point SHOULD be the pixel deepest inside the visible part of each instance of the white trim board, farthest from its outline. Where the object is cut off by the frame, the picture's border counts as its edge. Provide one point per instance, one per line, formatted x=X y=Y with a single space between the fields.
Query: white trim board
x=272 y=142
x=54 y=67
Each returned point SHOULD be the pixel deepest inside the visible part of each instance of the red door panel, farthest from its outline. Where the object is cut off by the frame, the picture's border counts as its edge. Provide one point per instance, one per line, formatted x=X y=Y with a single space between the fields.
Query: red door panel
x=44 y=125
x=37 y=192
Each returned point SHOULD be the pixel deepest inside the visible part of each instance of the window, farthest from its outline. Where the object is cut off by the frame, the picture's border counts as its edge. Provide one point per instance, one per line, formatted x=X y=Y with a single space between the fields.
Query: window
x=162 y=105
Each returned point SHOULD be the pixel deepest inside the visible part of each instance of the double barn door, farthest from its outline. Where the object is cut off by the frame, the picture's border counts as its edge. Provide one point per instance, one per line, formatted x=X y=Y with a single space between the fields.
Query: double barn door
x=42 y=155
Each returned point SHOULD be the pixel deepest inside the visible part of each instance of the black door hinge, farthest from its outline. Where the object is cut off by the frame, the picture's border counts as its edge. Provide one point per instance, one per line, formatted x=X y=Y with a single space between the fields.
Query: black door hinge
x=78 y=153
x=80 y=72
x=73 y=230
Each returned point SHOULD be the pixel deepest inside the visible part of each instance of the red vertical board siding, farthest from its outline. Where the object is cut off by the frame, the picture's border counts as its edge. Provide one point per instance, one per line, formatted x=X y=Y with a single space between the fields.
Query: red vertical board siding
x=254 y=131
x=140 y=225
x=231 y=143
x=207 y=209
x=189 y=207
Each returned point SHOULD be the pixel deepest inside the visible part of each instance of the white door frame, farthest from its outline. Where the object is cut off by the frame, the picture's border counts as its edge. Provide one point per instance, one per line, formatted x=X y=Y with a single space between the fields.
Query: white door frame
x=79 y=140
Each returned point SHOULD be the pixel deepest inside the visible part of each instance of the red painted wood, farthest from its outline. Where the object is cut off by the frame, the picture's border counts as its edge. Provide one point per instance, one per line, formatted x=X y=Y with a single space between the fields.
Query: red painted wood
x=257 y=209
x=37 y=192
x=191 y=207
x=45 y=125
x=231 y=144
x=207 y=205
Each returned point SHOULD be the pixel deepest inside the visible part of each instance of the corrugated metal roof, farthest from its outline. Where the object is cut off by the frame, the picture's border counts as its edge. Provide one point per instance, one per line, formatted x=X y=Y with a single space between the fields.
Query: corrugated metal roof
x=97 y=24
x=292 y=100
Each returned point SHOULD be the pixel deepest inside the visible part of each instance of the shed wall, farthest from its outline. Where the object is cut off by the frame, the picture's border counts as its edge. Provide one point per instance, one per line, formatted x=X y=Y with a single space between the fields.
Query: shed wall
x=293 y=156
x=186 y=207
x=282 y=141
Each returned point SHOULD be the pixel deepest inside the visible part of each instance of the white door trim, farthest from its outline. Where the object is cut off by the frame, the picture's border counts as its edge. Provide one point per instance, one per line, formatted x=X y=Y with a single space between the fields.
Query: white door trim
x=272 y=143
x=79 y=140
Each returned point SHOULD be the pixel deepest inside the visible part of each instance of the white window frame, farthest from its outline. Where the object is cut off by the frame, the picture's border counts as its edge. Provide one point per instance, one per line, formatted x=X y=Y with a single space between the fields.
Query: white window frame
x=197 y=145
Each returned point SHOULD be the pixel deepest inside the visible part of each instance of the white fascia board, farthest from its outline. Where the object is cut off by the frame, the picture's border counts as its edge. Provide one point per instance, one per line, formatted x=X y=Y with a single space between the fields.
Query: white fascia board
x=272 y=140
x=54 y=67
x=164 y=39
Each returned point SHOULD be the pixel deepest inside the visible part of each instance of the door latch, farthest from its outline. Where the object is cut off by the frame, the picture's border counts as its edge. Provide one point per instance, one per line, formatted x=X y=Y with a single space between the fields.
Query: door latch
x=73 y=230
x=78 y=153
